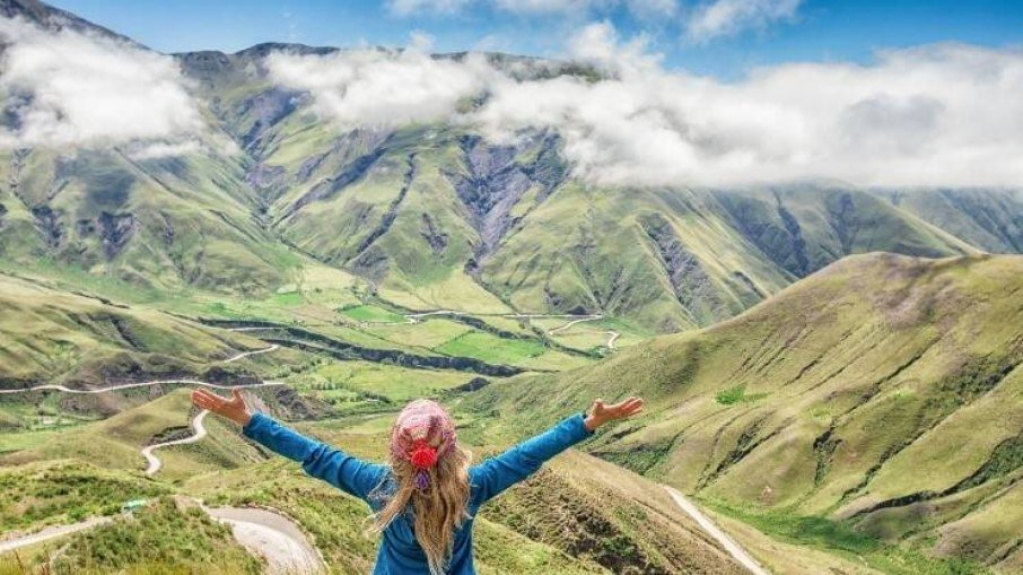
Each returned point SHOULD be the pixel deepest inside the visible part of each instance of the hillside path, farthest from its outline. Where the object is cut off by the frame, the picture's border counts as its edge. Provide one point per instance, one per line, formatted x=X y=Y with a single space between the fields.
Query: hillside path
x=244 y=354
x=612 y=337
x=273 y=537
x=733 y=548
x=58 y=387
x=268 y=535
x=199 y=432
x=50 y=533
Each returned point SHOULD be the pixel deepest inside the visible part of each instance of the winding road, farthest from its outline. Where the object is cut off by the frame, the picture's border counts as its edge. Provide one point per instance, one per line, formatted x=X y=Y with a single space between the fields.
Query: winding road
x=199 y=432
x=729 y=544
x=61 y=388
x=273 y=537
x=52 y=532
x=245 y=354
x=265 y=534
x=236 y=357
x=612 y=337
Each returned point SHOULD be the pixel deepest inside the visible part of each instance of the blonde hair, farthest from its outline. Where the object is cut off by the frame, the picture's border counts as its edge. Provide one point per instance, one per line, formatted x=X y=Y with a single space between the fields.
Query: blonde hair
x=438 y=510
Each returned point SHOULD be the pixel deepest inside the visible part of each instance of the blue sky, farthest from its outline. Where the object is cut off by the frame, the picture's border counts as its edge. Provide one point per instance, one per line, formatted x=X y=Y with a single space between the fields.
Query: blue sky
x=809 y=30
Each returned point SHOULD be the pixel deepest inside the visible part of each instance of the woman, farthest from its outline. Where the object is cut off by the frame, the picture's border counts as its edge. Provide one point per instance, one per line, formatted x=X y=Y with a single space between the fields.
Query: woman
x=424 y=502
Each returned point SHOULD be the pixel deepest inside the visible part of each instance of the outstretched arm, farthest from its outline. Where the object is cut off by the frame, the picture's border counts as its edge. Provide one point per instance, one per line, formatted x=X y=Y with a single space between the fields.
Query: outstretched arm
x=499 y=473
x=319 y=460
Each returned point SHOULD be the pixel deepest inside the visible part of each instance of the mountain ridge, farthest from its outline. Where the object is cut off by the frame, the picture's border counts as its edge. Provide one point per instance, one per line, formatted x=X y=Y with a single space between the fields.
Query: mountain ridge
x=435 y=217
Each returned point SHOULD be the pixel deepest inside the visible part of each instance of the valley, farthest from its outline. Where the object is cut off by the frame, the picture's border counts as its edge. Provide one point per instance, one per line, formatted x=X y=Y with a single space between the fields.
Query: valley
x=833 y=373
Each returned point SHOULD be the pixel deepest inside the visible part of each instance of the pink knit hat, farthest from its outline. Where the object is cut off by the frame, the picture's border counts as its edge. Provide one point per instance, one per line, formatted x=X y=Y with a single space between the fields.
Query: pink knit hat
x=423 y=433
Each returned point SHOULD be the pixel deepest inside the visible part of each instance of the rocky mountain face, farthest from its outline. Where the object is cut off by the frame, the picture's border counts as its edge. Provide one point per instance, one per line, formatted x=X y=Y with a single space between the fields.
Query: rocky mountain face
x=437 y=217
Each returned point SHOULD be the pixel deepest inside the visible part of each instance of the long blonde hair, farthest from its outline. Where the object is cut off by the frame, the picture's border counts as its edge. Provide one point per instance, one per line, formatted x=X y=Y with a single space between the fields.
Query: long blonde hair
x=438 y=510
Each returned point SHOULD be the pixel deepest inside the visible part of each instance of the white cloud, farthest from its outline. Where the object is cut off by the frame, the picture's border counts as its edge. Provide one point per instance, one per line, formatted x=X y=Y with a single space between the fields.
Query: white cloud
x=653 y=8
x=549 y=6
x=159 y=150
x=72 y=89
x=727 y=17
x=409 y=7
x=382 y=88
x=599 y=45
x=931 y=116
x=529 y=7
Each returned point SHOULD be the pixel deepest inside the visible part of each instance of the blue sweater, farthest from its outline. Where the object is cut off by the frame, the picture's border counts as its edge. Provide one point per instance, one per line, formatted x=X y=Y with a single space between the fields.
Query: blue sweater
x=400 y=553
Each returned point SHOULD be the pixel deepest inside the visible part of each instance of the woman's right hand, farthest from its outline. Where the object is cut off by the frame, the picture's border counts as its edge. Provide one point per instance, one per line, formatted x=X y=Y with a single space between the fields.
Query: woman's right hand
x=601 y=413
x=233 y=409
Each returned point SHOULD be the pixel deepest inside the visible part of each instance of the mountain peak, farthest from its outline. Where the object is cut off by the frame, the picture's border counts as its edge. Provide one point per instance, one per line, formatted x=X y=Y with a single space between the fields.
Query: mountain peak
x=55 y=19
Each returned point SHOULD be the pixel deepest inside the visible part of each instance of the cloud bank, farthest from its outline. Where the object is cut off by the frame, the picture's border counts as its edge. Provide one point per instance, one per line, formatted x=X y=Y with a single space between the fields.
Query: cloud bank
x=943 y=115
x=381 y=87
x=72 y=89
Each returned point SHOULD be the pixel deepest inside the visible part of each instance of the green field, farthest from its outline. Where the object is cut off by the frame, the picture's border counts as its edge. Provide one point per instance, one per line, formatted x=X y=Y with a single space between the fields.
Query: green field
x=425 y=334
x=358 y=380
x=372 y=314
x=491 y=348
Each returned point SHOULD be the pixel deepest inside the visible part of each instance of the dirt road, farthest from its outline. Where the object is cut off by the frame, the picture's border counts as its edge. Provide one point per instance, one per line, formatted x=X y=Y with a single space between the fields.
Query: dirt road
x=50 y=533
x=265 y=534
x=58 y=387
x=729 y=544
x=273 y=537
x=199 y=432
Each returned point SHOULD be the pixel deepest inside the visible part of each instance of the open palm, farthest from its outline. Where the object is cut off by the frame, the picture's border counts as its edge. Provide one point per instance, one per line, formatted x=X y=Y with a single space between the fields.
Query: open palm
x=233 y=409
x=602 y=413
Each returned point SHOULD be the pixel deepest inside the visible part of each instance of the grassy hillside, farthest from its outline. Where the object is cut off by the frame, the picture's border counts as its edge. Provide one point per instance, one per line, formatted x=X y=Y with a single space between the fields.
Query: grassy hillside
x=881 y=395
x=166 y=223
x=65 y=491
x=168 y=536
x=114 y=442
x=988 y=219
x=53 y=336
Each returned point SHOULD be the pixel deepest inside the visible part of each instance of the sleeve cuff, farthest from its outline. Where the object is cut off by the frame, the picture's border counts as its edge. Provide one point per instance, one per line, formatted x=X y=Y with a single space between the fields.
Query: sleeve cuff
x=257 y=422
x=579 y=420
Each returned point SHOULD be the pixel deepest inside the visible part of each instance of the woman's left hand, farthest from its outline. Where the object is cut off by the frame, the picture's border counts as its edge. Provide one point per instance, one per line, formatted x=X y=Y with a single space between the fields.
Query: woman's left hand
x=233 y=409
x=600 y=413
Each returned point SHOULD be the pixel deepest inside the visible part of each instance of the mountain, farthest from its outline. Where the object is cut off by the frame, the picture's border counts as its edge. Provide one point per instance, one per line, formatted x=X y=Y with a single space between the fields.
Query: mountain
x=987 y=218
x=435 y=217
x=882 y=393
x=53 y=18
x=836 y=408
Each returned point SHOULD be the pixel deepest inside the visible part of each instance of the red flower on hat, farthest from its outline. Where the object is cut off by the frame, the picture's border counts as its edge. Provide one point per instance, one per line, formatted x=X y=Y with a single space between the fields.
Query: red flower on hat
x=423 y=456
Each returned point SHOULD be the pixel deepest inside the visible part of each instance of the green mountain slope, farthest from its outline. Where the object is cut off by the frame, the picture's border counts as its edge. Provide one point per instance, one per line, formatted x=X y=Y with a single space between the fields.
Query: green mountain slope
x=164 y=223
x=988 y=219
x=54 y=336
x=437 y=218
x=884 y=392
